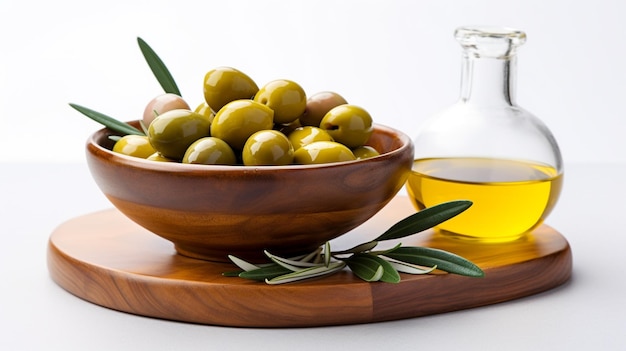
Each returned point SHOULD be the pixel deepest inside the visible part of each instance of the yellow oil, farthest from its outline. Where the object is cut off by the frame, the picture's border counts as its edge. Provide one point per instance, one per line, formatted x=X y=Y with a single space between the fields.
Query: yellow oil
x=510 y=198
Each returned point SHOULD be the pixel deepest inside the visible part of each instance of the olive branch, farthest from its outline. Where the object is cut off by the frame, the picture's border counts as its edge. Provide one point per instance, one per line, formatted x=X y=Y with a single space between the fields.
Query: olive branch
x=363 y=261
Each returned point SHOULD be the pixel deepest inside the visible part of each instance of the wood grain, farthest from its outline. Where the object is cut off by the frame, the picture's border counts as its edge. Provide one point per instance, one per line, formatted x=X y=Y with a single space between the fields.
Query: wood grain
x=108 y=260
x=211 y=211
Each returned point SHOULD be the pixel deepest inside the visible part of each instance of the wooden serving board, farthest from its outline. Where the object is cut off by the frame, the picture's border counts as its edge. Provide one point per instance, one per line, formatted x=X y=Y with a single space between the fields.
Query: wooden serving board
x=108 y=260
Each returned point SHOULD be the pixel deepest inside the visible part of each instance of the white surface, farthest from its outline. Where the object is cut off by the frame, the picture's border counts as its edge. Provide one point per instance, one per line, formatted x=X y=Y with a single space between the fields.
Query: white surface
x=398 y=59
x=586 y=313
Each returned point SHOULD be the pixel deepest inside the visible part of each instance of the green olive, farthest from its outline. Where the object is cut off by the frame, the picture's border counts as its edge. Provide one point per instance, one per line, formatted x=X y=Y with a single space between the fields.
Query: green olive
x=162 y=103
x=225 y=84
x=204 y=109
x=210 y=151
x=134 y=145
x=323 y=152
x=285 y=97
x=159 y=158
x=318 y=105
x=267 y=148
x=348 y=124
x=238 y=120
x=172 y=132
x=306 y=135
x=365 y=151
x=287 y=128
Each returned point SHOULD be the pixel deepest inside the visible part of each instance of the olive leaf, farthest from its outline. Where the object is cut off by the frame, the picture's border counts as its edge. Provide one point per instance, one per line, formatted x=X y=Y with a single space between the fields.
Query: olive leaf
x=408 y=268
x=307 y=273
x=372 y=268
x=445 y=261
x=109 y=122
x=327 y=254
x=158 y=68
x=244 y=265
x=264 y=273
x=290 y=264
x=425 y=219
x=232 y=273
x=359 y=248
x=314 y=255
x=366 y=269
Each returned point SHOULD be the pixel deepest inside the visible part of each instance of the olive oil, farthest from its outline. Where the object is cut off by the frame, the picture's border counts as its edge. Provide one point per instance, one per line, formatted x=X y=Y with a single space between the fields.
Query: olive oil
x=510 y=198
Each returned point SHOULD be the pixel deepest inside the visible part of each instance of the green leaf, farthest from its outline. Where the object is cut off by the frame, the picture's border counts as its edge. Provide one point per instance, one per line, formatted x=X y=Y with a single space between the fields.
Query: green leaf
x=244 y=265
x=444 y=260
x=307 y=273
x=308 y=258
x=109 y=122
x=373 y=268
x=293 y=265
x=232 y=273
x=327 y=254
x=143 y=126
x=382 y=252
x=158 y=68
x=264 y=273
x=408 y=268
x=425 y=219
x=365 y=269
x=359 y=248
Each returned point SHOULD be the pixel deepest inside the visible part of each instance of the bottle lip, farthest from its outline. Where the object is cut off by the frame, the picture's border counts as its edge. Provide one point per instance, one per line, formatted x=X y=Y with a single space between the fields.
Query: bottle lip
x=490 y=41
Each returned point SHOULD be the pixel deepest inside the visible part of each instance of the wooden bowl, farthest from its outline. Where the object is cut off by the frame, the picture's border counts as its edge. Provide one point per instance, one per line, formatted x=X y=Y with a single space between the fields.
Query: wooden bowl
x=209 y=212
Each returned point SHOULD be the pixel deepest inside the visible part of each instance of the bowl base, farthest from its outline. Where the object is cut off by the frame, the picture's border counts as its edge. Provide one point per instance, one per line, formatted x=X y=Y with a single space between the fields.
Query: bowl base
x=256 y=256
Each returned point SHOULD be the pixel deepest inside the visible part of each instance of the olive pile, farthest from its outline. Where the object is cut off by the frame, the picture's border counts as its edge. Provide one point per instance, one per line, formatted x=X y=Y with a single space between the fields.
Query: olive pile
x=240 y=123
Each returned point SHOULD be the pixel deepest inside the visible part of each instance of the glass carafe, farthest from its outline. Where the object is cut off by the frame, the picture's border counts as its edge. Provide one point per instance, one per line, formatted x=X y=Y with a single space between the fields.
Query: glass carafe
x=487 y=149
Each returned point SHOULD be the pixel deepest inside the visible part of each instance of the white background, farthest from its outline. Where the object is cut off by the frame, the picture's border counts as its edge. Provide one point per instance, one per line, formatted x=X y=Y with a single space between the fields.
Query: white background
x=398 y=59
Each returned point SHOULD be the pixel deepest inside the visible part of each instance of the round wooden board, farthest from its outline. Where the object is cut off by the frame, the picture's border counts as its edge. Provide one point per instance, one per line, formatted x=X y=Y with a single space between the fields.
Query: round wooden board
x=108 y=260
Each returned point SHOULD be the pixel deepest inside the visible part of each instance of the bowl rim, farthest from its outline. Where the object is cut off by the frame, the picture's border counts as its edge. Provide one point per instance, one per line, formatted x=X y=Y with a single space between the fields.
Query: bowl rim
x=95 y=149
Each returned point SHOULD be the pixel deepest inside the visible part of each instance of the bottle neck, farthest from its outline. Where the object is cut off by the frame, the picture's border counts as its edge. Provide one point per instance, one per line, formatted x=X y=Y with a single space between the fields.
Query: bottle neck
x=488 y=81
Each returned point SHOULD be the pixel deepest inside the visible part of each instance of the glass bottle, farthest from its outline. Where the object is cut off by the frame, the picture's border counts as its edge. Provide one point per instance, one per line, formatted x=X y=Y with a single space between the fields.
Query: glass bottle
x=486 y=148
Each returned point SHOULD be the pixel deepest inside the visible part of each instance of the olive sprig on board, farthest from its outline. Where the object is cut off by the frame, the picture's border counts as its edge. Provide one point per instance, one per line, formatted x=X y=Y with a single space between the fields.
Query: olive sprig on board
x=363 y=261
